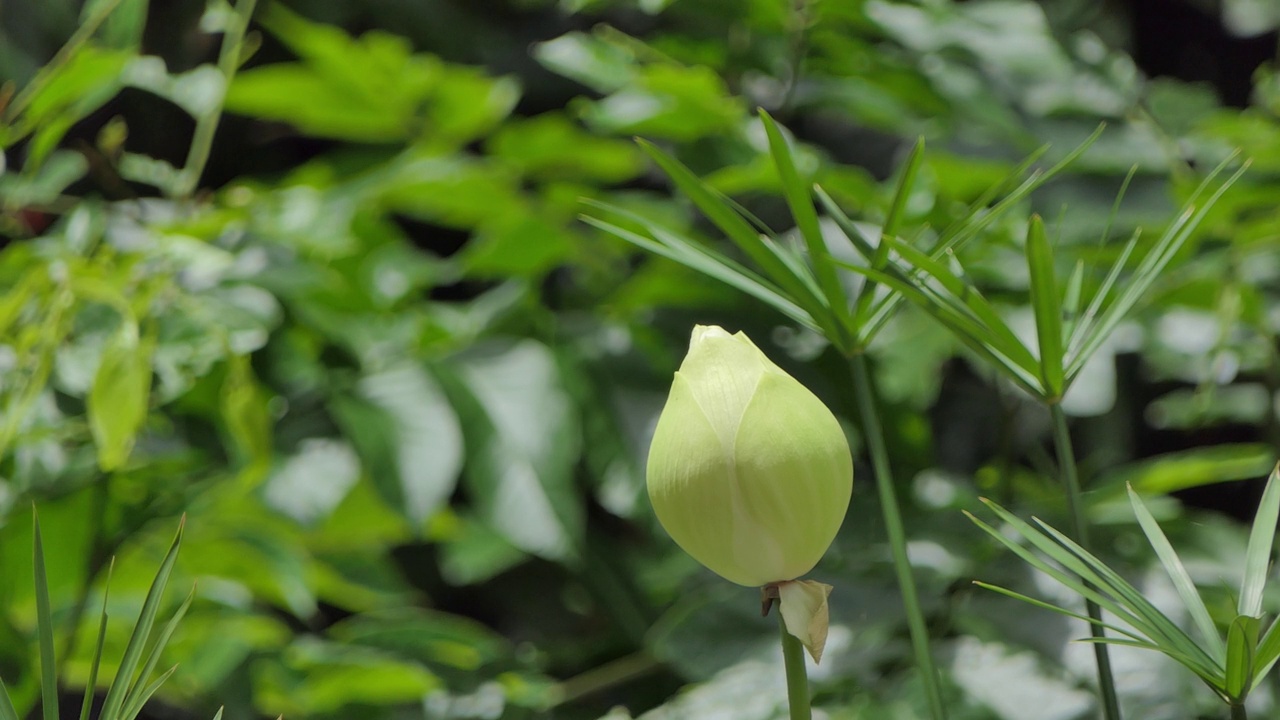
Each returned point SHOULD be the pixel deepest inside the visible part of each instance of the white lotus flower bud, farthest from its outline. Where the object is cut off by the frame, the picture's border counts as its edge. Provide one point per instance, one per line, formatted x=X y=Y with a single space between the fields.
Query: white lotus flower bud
x=748 y=471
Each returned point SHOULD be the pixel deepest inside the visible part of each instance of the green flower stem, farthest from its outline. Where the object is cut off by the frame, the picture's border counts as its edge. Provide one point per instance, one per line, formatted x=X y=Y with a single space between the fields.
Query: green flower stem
x=207 y=124
x=1238 y=713
x=1080 y=529
x=797 y=675
x=874 y=436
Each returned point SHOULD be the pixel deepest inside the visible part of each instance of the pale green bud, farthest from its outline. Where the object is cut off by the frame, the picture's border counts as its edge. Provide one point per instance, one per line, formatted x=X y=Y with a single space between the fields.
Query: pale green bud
x=748 y=472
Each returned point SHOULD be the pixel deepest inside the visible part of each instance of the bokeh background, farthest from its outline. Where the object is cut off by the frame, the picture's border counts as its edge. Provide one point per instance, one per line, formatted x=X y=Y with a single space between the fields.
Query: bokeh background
x=403 y=396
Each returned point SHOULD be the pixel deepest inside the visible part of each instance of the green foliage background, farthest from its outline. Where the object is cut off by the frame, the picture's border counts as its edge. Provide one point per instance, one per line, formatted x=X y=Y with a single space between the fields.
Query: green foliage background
x=403 y=395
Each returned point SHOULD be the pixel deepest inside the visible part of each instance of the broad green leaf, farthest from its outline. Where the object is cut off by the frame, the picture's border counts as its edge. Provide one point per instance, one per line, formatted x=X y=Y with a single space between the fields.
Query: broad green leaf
x=113 y=705
x=1178 y=574
x=1258 y=555
x=1242 y=640
x=119 y=399
x=44 y=629
x=427 y=437
x=246 y=417
x=1047 y=305
x=522 y=443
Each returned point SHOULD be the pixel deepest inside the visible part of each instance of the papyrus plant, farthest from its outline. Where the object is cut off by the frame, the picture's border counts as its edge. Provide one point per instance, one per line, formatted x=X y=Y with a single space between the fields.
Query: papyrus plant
x=1231 y=667
x=1072 y=323
x=802 y=281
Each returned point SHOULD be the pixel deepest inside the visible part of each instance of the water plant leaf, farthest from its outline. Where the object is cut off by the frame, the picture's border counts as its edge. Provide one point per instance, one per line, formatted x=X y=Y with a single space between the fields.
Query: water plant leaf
x=87 y=705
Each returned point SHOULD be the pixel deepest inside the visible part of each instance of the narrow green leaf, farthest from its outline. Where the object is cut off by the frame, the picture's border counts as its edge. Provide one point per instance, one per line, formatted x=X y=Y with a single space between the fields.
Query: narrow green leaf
x=90 y=686
x=714 y=207
x=1099 y=573
x=147 y=692
x=7 y=710
x=1178 y=574
x=1071 y=299
x=1138 y=612
x=798 y=197
x=1213 y=679
x=1150 y=268
x=1047 y=305
x=1100 y=296
x=1267 y=654
x=114 y=702
x=1257 y=558
x=219 y=715
x=974 y=335
x=137 y=698
x=1068 y=580
x=967 y=299
x=712 y=265
x=44 y=629
x=893 y=220
x=979 y=216
x=1063 y=611
x=1242 y=640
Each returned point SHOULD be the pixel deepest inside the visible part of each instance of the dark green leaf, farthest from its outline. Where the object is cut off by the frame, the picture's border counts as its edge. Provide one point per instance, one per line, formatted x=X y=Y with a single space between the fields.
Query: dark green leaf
x=1047 y=305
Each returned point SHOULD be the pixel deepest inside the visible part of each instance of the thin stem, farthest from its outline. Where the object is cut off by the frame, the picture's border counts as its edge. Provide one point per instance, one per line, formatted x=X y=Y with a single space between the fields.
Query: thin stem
x=797 y=675
x=1238 y=712
x=1080 y=529
x=897 y=536
x=207 y=124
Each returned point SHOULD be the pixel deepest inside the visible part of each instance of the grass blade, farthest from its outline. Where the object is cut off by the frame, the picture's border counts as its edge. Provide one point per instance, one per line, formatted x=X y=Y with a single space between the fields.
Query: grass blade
x=1047 y=305
x=90 y=686
x=114 y=703
x=44 y=629
x=800 y=200
x=1257 y=557
x=1178 y=574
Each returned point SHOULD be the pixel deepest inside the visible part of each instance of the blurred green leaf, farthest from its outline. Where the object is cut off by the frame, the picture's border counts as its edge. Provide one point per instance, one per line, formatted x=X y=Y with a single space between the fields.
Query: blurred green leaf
x=522 y=441
x=119 y=399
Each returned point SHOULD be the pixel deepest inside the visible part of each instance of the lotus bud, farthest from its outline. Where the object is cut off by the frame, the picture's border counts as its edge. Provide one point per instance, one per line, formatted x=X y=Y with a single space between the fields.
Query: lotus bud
x=749 y=472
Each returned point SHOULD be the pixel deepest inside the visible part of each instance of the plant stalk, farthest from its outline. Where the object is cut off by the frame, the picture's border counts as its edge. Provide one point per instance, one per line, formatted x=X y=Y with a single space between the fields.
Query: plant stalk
x=1238 y=712
x=1080 y=529
x=897 y=535
x=797 y=675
